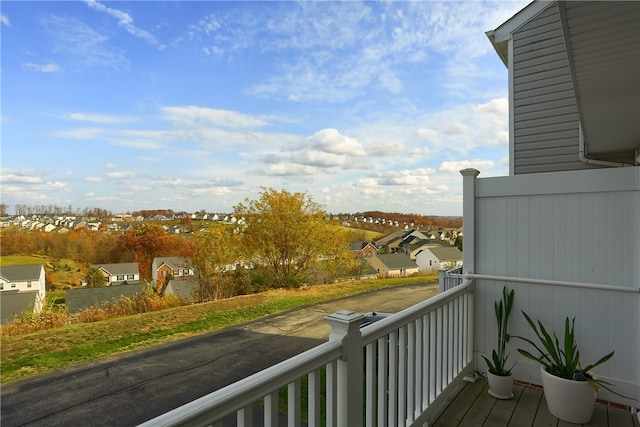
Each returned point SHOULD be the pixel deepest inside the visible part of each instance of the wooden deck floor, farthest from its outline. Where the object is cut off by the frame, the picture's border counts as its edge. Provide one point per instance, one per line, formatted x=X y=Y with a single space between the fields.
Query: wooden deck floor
x=475 y=407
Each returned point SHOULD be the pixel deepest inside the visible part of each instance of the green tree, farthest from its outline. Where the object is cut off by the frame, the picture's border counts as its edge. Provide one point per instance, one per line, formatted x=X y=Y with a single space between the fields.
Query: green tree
x=458 y=242
x=94 y=278
x=286 y=233
x=213 y=255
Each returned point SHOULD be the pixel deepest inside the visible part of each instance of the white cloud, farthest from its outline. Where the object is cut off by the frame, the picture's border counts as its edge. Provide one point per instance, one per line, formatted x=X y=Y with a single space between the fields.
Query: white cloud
x=288 y=169
x=51 y=67
x=121 y=175
x=191 y=115
x=125 y=20
x=427 y=133
x=420 y=152
x=5 y=20
x=318 y=159
x=94 y=178
x=386 y=149
x=97 y=118
x=404 y=177
x=496 y=107
x=20 y=176
x=456 y=129
x=83 y=44
x=331 y=141
x=457 y=166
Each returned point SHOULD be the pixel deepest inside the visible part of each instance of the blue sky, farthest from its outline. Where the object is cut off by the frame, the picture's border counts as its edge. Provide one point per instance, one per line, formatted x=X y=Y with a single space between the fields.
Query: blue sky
x=197 y=105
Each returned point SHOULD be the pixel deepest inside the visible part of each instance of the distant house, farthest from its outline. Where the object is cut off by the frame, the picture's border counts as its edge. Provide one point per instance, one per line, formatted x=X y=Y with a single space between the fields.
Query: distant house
x=393 y=265
x=118 y=274
x=49 y=228
x=81 y=298
x=22 y=287
x=167 y=268
x=186 y=289
x=431 y=259
x=390 y=243
x=363 y=249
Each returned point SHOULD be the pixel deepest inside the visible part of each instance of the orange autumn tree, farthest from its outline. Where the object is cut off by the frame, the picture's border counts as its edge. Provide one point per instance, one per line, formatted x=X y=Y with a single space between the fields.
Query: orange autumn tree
x=148 y=242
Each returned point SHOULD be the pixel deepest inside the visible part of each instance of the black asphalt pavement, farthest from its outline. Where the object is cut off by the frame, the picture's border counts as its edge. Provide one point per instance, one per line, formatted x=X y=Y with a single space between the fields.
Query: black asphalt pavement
x=130 y=388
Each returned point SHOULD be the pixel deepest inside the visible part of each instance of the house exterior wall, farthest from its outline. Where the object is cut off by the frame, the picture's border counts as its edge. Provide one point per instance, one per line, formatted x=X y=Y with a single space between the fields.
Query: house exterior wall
x=428 y=262
x=579 y=226
x=545 y=124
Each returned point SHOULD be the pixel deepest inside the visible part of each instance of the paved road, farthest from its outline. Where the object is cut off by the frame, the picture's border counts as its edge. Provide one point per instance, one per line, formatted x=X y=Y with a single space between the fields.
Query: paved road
x=128 y=389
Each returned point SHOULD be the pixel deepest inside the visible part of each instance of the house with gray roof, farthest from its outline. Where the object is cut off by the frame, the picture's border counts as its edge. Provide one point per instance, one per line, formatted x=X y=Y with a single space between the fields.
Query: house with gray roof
x=393 y=265
x=22 y=287
x=119 y=273
x=186 y=289
x=433 y=258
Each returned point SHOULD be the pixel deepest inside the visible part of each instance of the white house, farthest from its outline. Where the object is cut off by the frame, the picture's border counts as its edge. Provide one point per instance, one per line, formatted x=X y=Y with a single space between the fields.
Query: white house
x=116 y=274
x=25 y=279
x=432 y=259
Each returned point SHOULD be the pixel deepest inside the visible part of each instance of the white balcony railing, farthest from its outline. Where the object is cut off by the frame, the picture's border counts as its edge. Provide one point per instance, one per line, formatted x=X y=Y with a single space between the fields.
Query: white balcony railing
x=448 y=279
x=408 y=363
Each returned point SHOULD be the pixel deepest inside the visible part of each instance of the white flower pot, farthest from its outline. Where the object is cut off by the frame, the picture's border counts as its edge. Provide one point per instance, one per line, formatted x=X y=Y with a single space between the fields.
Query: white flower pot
x=500 y=386
x=568 y=400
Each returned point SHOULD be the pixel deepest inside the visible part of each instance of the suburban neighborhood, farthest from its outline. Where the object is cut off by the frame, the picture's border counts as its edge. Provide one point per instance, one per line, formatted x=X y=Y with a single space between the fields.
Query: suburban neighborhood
x=400 y=254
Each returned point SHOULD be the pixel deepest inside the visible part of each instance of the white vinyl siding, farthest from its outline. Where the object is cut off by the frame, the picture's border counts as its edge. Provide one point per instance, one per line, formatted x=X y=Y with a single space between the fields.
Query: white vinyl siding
x=545 y=112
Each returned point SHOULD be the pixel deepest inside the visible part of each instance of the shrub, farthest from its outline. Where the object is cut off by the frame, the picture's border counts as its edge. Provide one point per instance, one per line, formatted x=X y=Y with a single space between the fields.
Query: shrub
x=50 y=317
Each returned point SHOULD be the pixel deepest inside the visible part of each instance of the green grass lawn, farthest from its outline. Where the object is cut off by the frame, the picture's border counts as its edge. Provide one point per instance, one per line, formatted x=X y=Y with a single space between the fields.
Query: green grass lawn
x=6 y=261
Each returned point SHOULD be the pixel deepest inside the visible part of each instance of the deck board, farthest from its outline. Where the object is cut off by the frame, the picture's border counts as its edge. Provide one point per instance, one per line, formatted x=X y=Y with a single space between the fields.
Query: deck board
x=475 y=407
x=527 y=407
x=543 y=417
x=503 y=410
x=459 y=407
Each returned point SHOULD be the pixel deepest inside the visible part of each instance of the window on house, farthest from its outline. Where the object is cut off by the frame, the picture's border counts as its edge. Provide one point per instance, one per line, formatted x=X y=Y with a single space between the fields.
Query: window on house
x=106 y=279
x=29 y=284
x=131 y=276
x=120 y=277
x=175 y=273
x=1 y=286
x=13 y=285
x=165 y=273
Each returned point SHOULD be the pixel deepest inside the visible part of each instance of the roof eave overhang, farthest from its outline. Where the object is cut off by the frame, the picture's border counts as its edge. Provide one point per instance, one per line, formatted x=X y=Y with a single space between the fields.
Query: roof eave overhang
x=500 y=37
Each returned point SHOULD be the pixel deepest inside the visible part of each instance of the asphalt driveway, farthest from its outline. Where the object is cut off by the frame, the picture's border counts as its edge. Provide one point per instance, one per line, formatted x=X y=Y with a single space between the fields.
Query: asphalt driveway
x=128 y=389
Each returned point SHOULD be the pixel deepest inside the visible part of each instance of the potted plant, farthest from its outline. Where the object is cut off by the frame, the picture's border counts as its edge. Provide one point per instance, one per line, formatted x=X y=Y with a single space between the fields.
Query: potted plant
x=569 y=389
x=499 y=376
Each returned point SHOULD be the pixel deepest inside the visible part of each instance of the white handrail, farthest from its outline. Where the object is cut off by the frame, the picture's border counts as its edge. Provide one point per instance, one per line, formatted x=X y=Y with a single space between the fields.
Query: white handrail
x=595 y=286
x=401 y=318
x=248 y=390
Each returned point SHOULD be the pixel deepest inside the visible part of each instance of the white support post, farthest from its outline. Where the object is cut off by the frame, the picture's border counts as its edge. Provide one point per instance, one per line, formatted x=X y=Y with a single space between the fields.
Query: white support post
x=469 y=182
x=469 y=191
x=345 y=327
